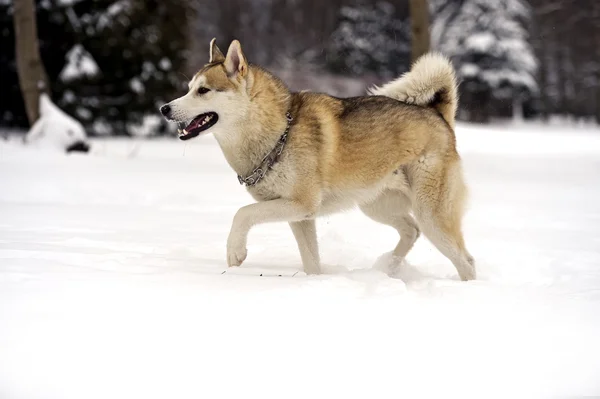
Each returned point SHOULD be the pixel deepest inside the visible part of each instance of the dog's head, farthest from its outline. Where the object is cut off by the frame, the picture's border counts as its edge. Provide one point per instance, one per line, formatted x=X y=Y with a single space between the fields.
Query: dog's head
x=217 y=95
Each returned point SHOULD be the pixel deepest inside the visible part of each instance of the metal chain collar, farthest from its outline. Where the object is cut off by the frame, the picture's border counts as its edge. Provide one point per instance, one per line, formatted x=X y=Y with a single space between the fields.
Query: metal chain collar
x=269 y=159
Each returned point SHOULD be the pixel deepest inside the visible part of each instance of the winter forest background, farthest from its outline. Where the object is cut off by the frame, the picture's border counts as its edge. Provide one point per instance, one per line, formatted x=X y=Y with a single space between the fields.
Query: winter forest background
x=110 y=63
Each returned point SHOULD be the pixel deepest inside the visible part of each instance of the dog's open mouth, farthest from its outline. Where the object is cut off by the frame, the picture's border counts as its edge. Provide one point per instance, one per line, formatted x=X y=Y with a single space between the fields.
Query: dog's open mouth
x=199 y=124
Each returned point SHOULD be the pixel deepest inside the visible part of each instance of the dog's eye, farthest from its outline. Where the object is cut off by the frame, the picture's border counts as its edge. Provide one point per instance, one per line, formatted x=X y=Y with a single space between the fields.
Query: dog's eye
x=203 y=90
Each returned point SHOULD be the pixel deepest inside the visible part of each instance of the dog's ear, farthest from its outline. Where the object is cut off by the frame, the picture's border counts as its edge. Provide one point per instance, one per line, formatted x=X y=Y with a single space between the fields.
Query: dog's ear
x=235 y=62
x=215 y=54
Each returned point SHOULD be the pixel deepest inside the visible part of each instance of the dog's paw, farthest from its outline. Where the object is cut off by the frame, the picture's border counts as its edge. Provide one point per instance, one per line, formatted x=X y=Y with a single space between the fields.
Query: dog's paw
x=236 y=254
x=312 y=270
x=236 y=248
x=467 y=270
x=468 y=274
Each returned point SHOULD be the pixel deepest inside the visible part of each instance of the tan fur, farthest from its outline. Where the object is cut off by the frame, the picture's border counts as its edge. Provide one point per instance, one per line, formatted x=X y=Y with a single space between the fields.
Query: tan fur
x=432 y=75
x=389 y=157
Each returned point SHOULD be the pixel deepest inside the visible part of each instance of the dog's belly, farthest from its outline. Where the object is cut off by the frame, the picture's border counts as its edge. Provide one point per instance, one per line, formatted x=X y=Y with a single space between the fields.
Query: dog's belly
x=341 y=200
x=335 y=199
x=338 y=200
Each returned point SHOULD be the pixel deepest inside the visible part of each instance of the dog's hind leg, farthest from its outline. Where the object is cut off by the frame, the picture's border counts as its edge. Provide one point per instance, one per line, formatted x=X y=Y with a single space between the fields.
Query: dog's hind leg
x=392 y=208
x=448 y=239
x=306 y=236
x=438 y=207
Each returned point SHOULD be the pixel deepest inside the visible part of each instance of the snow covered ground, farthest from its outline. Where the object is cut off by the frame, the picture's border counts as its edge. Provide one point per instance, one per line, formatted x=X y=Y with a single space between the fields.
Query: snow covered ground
x=111 y=281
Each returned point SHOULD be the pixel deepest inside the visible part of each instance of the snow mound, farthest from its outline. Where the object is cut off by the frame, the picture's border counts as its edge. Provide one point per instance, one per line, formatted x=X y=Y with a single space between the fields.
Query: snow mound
x=54 y=128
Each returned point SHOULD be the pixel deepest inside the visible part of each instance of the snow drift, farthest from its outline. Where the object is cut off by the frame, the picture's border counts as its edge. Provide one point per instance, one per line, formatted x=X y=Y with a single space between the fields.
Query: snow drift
x=55 y=129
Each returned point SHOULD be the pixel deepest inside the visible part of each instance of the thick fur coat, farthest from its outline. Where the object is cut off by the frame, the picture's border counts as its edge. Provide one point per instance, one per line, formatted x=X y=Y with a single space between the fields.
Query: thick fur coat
x=392 y=153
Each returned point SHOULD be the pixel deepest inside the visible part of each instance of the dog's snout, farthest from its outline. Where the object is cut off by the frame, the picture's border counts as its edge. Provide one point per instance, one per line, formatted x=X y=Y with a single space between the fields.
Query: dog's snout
x=165 y=110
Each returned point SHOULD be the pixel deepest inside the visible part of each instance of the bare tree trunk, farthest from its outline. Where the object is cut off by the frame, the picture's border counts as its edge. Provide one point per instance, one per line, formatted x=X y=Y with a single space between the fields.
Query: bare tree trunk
x=562 y=81
x=597 y=110
x=597 y=97
x=32 y=76
x=419 y=22
x=481 y=107
x=543 y=68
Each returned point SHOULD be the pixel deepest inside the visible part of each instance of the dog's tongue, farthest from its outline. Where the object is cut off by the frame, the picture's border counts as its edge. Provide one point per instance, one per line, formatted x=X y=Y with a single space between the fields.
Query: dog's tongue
x=198 y=125
x=194 y=124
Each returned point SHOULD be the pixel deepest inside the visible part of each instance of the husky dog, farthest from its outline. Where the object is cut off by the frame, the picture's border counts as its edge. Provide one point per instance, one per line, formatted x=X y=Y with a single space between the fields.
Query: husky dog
x=303 y=155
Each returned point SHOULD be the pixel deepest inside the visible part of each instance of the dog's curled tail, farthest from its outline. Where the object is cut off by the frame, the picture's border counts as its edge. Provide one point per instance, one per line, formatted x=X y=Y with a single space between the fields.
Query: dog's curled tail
x=430 y=82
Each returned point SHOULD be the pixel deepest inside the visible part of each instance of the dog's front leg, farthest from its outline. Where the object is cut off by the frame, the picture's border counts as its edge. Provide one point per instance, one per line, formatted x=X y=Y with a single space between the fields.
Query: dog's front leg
x=278 y=210
x=305 y=232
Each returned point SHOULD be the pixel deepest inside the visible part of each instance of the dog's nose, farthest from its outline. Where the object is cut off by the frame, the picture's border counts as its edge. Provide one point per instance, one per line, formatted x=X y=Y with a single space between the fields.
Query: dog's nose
x=165 y=110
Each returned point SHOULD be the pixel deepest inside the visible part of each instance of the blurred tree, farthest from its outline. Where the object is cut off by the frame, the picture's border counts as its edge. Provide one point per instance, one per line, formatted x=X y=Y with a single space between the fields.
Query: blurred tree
x=278 y=33
x=369 y=39
x=419 y=23
x=32 y=75
x=566 y=38
x=111 y=62
x=488 y=42
x=118 y=75
x=204 y=25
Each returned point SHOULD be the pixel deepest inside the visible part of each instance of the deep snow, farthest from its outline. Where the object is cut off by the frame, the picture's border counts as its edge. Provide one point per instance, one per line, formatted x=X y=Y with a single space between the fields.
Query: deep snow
x=111 y=281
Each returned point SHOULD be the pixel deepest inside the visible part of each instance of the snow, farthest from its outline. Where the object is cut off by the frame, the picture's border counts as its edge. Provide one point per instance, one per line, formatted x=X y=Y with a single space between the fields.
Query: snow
x=68 y=3
x=111 y=281
x=136 y=85
x=80 y=63
x=54 y=129
x=148 y=126
x=468 y=70
x=106 y=18
x=480 y=42
x=165 y=64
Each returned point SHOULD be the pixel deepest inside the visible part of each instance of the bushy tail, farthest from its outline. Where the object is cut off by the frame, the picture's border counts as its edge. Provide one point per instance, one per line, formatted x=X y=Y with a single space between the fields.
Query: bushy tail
x=430 y=82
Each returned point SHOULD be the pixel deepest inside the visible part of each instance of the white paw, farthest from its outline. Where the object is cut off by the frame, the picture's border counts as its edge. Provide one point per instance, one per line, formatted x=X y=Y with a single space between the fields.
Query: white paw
x=468 y=274
x=388 y=264
x=312 y=269
x=236 y=250
x=236 y=255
